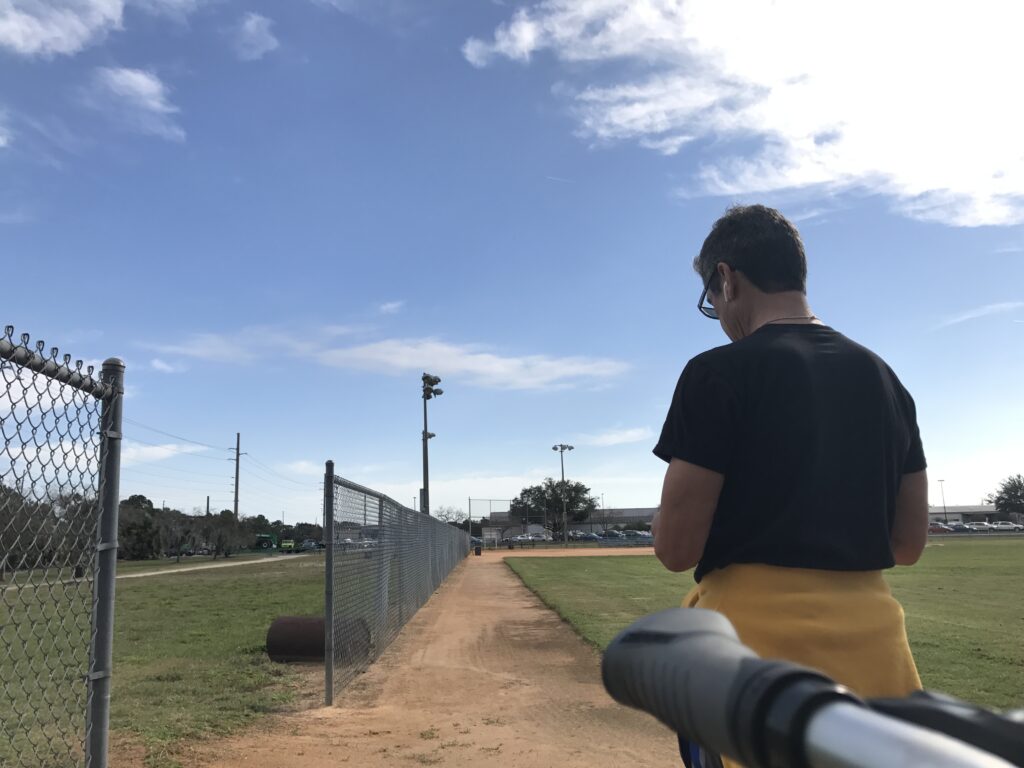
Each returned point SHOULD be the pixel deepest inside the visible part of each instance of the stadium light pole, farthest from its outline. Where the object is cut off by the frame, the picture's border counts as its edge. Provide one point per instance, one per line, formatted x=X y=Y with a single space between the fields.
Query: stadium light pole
x=562 y=448
x=942 y=490
x=430 y=390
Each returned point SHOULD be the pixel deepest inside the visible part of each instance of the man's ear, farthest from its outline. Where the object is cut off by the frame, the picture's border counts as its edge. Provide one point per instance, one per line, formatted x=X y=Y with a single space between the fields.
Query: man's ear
x=727 y=277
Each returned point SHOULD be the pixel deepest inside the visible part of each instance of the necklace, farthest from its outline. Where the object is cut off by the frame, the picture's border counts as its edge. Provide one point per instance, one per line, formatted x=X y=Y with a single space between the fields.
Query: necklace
x=794 y=317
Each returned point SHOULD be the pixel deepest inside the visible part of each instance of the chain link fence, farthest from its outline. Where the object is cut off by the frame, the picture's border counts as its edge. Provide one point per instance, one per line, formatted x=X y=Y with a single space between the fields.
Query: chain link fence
x=59 y=466
x=383 y=562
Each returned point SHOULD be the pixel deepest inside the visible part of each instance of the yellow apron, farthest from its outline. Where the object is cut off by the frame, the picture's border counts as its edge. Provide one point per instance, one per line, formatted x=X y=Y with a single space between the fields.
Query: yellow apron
x=846 y=624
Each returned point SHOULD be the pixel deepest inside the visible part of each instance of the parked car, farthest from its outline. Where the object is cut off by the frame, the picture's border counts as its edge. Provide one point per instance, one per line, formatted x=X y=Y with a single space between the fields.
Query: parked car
x=611 y=533
x=979 y=527
x=1006 y=525
x=959 y=528
x=939 y=528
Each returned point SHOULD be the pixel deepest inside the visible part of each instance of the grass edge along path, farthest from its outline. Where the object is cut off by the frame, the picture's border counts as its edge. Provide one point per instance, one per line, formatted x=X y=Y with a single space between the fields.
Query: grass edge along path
x=963 y=601
x=190 y=659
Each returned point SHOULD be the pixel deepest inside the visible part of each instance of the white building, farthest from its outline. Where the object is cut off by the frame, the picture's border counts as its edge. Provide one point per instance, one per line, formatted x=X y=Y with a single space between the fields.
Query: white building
x=500 y=525
x=978 y=513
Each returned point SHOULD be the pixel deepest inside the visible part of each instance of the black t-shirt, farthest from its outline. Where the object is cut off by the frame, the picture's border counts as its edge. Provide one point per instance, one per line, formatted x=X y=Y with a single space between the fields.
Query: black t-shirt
x=812 y=432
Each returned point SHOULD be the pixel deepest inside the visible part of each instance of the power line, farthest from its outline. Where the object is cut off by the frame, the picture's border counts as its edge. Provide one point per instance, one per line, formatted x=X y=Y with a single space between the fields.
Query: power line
x=266 y=481
x=131 y=468
x=176 y=437
x=173 y=455
x=198 y=480
x=271 y=471
x=251 y=473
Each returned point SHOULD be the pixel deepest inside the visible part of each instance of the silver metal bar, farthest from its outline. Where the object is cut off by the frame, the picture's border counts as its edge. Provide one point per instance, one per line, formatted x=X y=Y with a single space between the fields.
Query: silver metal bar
x=845 y=735
x=101 y=655
x=343 y=483
x=52 y=369
x=329 y=584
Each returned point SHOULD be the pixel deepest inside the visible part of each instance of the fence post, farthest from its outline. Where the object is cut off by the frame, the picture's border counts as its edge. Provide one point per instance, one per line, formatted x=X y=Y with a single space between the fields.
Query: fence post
x=329 y=584
x=100 y=662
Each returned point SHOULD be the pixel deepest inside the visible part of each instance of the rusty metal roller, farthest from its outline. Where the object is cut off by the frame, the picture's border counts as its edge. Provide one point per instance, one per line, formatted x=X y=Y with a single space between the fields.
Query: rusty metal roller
x=296 y=638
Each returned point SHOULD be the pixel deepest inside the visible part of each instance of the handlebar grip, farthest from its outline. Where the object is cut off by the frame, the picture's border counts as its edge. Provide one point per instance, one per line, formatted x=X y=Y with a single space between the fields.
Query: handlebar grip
x=676 y=665
x=688 y=668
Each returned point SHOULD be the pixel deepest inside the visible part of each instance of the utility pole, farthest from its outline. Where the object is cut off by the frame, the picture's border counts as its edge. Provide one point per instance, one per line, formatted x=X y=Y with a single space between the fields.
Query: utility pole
x=942 y=489
x=430 y=390
x=562 y=448
x=238 y=456
x=207 y=506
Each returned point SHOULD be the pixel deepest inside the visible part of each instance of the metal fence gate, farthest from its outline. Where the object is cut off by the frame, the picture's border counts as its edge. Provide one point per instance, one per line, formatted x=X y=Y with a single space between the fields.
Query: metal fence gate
x=383 y=561
x=59 y=467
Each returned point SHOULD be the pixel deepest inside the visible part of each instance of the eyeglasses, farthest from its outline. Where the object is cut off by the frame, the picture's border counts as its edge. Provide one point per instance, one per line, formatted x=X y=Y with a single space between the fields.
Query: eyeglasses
x=706 y=308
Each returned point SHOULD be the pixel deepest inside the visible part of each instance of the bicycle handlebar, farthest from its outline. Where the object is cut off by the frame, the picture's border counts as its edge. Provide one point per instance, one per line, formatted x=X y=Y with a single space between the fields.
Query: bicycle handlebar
x=688 y=668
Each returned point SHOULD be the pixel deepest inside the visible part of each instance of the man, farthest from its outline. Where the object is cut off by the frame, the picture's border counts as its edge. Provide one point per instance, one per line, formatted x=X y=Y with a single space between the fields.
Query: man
x=796 y=472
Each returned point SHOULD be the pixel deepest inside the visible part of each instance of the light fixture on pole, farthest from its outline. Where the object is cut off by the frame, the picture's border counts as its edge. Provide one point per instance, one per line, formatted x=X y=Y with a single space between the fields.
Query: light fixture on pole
x=942 y=490
x=562 y=448
x=430 y=390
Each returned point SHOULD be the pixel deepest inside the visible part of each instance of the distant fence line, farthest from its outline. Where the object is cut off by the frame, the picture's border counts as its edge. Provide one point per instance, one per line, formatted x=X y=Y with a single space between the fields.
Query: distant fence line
x=383 y=562
x=59 y=472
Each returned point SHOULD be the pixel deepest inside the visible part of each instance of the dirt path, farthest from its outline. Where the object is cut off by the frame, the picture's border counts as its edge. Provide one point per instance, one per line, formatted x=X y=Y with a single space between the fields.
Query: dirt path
x=483 y=674
x=570 y=552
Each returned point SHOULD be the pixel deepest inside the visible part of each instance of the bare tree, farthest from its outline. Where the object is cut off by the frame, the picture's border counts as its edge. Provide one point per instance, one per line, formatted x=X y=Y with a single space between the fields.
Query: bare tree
x=177 y=532
x=450 y=515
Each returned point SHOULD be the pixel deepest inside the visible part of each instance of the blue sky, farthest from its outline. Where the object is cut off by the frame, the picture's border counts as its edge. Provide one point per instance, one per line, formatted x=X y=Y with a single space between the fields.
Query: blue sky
x=280 y=214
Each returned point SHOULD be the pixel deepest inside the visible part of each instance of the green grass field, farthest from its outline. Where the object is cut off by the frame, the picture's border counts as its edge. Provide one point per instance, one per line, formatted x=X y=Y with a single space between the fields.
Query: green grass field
x=189 y=656
x=137 y=566
x=964 y=603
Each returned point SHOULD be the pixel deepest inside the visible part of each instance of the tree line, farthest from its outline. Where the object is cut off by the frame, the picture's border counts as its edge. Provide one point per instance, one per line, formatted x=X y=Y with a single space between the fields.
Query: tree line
x=146 y=532
x=541 y=504
x=60 y=531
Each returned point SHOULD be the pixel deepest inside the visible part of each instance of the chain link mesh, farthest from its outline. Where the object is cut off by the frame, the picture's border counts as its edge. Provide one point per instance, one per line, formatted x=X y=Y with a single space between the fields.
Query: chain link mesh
x=387 y=562
x=49 y=511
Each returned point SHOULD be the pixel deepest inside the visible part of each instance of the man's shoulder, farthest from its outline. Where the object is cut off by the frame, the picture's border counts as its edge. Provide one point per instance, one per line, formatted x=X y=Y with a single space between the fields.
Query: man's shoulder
x=733 y=359
x=723 y=363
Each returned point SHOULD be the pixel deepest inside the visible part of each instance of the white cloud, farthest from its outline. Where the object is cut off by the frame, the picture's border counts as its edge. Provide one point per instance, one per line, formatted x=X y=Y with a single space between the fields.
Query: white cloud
x=244 y=346
x=136 y=99
x=175 y=9
x=481 y=367
x=391 y=307
x=16 y=216
x=137 y=453
x=303 y=467
x=478 y=364
x=345 y=6
x=56 y=27
x=799 y=94
x=617 y=437
x=983 y=311
x=164 y=367
x=253 y=38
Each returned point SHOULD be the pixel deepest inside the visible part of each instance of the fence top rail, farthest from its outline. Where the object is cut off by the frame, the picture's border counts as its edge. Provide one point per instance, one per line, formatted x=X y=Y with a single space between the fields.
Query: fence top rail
x=59 y=370
x=341 y=482
x=352 y=486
